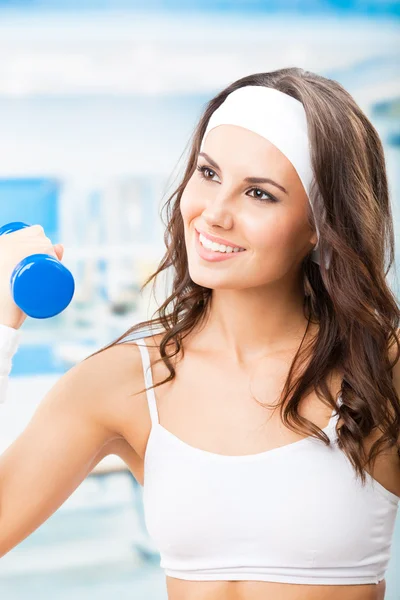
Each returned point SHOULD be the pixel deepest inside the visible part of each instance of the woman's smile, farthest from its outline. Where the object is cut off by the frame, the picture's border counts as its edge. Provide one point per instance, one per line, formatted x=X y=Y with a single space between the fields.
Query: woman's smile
x=213 y=255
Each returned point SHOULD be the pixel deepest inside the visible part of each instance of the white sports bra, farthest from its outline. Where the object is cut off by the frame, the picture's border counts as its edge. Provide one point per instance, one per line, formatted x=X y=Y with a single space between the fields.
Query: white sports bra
x=293 y=514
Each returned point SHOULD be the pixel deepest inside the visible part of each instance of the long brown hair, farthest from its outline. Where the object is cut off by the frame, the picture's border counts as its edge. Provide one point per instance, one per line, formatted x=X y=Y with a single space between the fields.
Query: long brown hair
x=356 y=311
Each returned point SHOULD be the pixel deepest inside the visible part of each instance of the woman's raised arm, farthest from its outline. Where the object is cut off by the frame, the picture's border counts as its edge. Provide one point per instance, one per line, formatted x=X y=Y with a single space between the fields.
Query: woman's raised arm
x=68 y=434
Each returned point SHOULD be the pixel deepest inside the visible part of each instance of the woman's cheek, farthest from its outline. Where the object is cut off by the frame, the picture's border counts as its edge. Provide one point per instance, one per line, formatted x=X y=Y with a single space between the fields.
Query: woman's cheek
x=260 y=232
x=190 y=204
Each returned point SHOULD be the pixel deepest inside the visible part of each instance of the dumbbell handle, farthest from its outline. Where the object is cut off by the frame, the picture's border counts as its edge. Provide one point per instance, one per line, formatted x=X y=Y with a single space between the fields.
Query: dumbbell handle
x=41 y=285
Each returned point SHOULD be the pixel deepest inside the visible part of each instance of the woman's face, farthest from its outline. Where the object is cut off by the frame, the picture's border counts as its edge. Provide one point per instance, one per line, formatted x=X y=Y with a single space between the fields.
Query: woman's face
x=269 y=221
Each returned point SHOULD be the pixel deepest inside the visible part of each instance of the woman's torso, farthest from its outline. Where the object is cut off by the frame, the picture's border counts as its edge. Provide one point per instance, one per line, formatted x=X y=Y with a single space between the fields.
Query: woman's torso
x=209 y=406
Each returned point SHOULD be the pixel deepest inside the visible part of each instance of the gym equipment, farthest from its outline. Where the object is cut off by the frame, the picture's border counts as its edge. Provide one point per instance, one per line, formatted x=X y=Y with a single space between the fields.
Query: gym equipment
x=41 y=285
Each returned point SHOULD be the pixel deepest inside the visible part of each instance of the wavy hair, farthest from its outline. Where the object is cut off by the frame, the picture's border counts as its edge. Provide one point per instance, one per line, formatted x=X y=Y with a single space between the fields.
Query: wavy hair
x=357 y=313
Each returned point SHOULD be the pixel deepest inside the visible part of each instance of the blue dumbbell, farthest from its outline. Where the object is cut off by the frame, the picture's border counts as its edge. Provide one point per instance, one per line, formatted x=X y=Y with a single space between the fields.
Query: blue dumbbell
x=40 y=284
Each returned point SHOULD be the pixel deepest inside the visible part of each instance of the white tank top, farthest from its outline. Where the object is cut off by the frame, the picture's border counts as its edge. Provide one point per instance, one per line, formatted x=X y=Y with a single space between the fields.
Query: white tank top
x=292 y=514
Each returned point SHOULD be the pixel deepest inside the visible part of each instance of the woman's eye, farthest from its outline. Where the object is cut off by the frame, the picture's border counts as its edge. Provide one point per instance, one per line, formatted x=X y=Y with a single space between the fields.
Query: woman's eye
x=203 y=169
x=268 y=197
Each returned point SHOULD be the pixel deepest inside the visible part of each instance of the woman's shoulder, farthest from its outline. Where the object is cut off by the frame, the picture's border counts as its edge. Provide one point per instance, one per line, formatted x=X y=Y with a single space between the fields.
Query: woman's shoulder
x=116 y=372
x=152 y=340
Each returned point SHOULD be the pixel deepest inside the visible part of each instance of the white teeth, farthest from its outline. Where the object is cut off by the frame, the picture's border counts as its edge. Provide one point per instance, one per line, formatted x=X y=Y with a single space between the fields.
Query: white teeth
x=217 y=247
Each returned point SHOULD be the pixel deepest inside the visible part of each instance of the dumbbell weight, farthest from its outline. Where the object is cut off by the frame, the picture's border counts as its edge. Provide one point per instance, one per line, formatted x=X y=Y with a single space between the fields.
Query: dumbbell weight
x=41 y=285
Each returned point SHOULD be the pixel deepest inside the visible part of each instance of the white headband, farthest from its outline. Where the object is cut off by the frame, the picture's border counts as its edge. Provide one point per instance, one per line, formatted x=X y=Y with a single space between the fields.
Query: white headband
x=265 y=110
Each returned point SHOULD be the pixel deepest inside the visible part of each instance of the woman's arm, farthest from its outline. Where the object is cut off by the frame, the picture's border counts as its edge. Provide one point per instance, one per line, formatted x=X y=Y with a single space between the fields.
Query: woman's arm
x=9 y=342
x=381 y=590
x=73 y=428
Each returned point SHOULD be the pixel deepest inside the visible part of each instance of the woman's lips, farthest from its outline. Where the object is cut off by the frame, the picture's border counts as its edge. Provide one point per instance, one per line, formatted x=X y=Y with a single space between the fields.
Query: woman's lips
x=212 y=256
x=218 y=240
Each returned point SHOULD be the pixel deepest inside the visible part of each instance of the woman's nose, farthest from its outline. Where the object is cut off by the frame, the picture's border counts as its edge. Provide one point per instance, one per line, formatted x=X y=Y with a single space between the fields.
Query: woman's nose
x=219 y=209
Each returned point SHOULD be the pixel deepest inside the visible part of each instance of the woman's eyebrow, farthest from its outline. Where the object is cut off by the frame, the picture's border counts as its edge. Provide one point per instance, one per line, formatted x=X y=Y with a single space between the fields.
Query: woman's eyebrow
x=247 y=179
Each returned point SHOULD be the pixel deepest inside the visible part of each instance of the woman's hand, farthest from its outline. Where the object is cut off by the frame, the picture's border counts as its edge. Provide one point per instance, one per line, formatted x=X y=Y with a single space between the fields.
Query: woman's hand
x=13 y=248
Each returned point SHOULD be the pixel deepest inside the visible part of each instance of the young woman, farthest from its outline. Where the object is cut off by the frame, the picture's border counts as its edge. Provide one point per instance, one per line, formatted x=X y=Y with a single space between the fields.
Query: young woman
x=261 y=414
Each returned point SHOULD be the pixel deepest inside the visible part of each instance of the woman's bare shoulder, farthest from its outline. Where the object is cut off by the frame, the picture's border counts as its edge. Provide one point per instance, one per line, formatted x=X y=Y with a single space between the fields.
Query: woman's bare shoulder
x=118 y=372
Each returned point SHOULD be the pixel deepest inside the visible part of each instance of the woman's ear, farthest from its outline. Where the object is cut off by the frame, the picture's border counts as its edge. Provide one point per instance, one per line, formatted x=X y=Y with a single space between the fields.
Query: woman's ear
x=314 y=239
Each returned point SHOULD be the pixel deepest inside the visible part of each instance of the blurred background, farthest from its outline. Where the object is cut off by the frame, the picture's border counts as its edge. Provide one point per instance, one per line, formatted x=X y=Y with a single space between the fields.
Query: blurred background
x=98 y=100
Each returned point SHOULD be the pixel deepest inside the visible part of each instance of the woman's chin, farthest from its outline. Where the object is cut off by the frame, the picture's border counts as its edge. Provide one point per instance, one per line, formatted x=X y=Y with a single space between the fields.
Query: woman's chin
x=215 y=281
